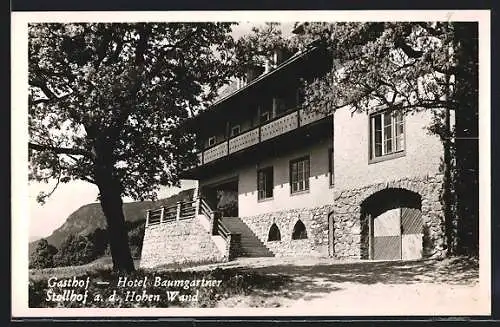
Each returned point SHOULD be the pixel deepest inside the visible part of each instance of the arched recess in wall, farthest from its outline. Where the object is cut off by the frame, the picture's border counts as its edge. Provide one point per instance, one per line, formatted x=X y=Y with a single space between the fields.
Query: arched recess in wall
x=299 y=231
x=274 y=233
x=392 y=227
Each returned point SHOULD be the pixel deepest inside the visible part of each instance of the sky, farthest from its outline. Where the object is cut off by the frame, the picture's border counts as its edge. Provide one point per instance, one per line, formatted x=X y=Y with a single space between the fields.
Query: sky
x=67 y=198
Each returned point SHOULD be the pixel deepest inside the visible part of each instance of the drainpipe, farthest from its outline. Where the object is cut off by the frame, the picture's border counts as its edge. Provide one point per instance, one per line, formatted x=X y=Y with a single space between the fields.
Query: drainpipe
x=447 y=174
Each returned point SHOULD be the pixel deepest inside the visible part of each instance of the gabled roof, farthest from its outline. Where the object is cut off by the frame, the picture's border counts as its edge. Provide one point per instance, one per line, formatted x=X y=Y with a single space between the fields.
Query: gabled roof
x=298 y=55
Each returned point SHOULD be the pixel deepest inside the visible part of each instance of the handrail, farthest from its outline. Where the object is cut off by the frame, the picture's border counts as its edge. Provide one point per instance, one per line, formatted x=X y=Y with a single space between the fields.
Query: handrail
x=222 y=230
x=205 y=208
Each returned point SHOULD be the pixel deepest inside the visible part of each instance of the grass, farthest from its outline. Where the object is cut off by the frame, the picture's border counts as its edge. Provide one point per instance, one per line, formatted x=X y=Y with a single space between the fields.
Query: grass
x=101 y=264
x=232 y=282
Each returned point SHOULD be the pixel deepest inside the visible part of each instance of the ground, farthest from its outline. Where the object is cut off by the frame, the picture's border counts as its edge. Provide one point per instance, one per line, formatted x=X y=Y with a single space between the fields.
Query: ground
x=449 y=286
x=308 y=286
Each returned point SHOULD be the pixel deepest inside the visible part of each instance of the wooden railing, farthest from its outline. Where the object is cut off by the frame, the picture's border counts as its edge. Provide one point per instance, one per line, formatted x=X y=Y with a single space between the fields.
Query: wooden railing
x=279 y=126
x=205 y=209
x=214 y=217
x=244 y=140
x=180 y=211
x=188 y=210
x=271 y=129
x=222 y=230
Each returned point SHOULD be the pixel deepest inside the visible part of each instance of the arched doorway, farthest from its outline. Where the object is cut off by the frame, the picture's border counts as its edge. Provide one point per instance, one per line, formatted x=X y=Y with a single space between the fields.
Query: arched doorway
x=395 y=228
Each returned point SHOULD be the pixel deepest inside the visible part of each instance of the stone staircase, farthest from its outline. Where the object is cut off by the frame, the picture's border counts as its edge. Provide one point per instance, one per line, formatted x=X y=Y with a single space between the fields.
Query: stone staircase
x=251 y=246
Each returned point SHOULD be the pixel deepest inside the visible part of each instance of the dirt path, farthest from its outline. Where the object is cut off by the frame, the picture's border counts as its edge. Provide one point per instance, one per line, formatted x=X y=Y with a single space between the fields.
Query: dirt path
x=327 y=287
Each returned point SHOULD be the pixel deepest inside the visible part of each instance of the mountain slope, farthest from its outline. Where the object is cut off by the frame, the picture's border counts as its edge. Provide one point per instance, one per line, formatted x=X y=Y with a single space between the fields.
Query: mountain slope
x=89 y=217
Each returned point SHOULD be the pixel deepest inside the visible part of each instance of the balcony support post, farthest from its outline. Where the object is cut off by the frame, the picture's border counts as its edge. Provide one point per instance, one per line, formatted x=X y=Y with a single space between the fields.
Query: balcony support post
x=197 y=204
x=162 y=213
x=178 y=214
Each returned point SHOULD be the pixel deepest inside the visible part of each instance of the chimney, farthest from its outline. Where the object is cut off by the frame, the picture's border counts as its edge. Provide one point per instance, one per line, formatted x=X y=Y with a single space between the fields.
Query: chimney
x=267 y=66
x=252 y=72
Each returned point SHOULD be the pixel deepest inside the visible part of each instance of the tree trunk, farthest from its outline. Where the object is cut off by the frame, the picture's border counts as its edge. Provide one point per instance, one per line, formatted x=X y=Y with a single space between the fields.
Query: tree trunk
x=111 y=204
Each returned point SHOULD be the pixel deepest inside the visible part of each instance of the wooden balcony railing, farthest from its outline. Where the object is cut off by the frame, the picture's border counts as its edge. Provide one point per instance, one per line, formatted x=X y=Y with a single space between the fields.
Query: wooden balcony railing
x=309 y=116
x=215 y=152
x=244 y=140
x=279 y=126
x=271 y=129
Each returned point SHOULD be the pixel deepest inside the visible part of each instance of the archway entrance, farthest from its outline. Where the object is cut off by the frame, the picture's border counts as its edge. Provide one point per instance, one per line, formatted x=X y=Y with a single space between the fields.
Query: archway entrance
x=394 y=224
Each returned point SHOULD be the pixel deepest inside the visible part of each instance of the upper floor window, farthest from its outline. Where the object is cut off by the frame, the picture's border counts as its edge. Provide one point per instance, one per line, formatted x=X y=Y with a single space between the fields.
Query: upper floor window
x=299 y=174
x=235 y=130
x=386 y=134
x=265 y=183
x=211 y=140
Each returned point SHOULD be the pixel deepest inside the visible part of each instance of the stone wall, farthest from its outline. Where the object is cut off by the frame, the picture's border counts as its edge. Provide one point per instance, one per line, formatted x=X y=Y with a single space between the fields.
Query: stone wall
x=314 y=219
x=178 y=242
x=351 y=228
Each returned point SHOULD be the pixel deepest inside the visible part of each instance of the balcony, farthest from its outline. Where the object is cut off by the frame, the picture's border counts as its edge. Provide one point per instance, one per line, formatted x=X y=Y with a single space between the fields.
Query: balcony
x=271 y=129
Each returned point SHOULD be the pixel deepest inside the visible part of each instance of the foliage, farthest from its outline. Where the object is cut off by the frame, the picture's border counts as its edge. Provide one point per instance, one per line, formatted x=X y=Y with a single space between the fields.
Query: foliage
x=75 y=250
x=43 y=256
x=119 y=91
x=106 y=101
x=255 y=48
x=78 y=250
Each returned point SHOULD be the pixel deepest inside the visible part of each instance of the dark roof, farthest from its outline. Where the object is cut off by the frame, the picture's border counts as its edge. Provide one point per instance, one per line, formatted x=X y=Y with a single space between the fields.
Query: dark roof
x=232 y=90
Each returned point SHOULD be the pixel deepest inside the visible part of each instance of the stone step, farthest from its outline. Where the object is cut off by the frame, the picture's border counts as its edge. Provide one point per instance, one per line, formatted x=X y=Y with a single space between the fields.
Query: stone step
x=251 y=246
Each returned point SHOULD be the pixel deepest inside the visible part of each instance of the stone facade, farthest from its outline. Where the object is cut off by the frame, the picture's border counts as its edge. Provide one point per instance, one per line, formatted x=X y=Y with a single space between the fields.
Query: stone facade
x=314 y=219
x=178 y=242
x=351 y=228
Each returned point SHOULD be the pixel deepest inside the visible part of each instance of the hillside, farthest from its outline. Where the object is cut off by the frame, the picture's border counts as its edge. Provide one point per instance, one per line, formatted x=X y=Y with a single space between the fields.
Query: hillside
x=89 y=217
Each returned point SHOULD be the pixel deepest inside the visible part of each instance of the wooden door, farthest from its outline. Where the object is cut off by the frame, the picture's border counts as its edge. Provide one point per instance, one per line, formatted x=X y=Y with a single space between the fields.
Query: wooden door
x=411 y=240
x=387 y=235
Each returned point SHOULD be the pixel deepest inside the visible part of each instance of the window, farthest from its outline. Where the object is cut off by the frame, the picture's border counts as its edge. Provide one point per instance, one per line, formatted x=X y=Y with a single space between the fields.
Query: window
x=330 y=166
x=235 y=130
x=211 y=140
x=274 y=234
x=265 y=116
x=386 y=134
x=299 y=231
x=265 y=183
x=299 y=175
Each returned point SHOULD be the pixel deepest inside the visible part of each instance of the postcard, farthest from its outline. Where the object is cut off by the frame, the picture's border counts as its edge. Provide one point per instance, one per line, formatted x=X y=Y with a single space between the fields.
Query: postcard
x=240 y=163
